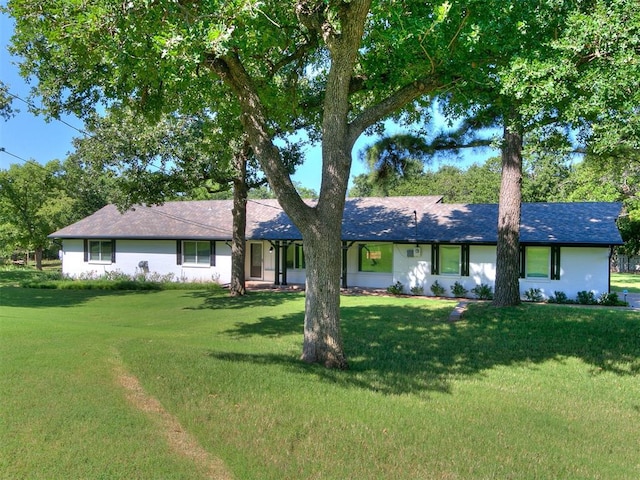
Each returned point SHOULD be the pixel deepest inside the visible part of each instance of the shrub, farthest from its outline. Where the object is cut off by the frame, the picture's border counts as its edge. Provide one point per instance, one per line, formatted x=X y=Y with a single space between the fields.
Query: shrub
x=417 y=290
x=458 y=290
x=586 y=298
x=611 y=300
x=559 y=297
x=483 y=292
x=396 y=289
x=533 y=295
x=437 y=289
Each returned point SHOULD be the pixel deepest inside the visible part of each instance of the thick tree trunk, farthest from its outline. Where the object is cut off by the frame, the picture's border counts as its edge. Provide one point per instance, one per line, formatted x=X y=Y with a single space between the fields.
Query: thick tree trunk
x=507 y=291
x=237 y=287
x=322 y=333
x=320 y=225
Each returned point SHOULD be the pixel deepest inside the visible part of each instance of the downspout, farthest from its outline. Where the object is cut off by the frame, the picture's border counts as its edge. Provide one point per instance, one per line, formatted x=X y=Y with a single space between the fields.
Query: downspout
x=611 y=247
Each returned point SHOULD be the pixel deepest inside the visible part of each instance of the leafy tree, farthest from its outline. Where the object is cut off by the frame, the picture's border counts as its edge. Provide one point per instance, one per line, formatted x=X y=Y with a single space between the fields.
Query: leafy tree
x=333 y=67
x=613 y=177
x=33 y=204
x=171 y=157
x=6 y=108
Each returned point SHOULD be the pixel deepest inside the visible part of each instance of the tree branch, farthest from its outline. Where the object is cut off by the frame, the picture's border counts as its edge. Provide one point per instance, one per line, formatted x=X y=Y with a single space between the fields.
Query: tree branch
x=391 y=104
x=233 y=73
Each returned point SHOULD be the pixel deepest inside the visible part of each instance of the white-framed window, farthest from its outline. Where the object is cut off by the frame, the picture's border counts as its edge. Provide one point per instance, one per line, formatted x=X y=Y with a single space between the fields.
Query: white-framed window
x=196 y=253
x=99 y=251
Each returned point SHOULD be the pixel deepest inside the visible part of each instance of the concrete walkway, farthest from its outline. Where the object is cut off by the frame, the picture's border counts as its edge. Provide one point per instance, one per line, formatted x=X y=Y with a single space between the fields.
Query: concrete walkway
x=633 y=299
x=457 y=312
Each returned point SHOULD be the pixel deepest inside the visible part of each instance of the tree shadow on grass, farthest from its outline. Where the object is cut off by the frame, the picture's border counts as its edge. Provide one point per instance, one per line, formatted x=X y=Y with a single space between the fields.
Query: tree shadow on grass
x=401 y=350
x=223 y=301
x=46 y=298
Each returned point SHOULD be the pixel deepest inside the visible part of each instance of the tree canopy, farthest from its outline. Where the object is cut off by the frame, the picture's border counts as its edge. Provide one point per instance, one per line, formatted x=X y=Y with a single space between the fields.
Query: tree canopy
x=334 y=68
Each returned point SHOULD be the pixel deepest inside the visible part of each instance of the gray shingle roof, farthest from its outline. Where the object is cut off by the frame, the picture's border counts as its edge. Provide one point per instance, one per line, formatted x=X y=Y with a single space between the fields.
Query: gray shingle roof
x=365 y=219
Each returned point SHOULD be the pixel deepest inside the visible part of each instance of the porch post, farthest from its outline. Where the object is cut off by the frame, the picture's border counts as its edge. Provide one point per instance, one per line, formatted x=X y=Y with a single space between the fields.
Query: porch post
x=285 y=245
x=277 y=262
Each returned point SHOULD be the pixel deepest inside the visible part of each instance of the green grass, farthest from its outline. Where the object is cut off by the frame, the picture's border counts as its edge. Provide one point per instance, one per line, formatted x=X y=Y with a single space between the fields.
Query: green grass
x=538 y=391
x=628 y=281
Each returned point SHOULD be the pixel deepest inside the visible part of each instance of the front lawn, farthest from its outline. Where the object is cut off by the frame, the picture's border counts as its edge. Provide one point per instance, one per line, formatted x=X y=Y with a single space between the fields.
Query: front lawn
x=539 y=391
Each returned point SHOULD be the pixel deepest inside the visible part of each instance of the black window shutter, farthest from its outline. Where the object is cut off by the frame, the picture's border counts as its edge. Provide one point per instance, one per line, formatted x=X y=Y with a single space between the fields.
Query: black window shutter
x=113 y=251
x=435 y=259
x=465 y=260
x=212 y=253
x=523 y=260
x=179 y=252
x=86 y=250
x=555 y=262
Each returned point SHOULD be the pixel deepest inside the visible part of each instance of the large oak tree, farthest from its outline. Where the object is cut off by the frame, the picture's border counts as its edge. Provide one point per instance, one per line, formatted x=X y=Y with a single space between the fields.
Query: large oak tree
x=335 y=68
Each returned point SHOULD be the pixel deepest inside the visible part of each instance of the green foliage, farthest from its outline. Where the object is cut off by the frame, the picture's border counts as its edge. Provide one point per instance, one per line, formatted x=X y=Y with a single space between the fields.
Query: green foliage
x=586 y=298
x=533 y=295
x=458 y=290
x=610 y=300
x=396 y=289
x=33 y=203
x=483 y=291
x=6 y=108
x=114 y=281
x=479 y=183
x=437 y=289
x=417 y=290
x=559 y=297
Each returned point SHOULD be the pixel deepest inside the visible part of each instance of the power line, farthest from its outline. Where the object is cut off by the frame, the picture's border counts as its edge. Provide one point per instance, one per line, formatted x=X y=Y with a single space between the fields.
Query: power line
x=4 y=150
x=35 y=109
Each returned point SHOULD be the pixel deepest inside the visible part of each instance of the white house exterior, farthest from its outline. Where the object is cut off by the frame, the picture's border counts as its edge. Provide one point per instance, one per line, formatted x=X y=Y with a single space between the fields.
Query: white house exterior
x=565 y=247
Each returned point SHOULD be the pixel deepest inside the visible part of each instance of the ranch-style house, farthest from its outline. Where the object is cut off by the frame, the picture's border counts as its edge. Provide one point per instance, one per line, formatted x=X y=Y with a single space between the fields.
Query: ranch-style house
x=413 y=240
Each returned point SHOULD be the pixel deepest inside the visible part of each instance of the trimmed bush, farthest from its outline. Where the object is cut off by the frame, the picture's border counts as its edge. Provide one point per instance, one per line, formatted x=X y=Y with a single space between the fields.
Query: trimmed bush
x=437 y=289
x=533 y=295
x=586 y=298
x=396 y=289
x=458 y=290
x=483 y=292
x=417 y=290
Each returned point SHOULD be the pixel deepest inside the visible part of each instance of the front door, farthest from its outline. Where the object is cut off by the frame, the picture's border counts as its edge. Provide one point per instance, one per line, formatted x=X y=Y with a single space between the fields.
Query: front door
x=256 y=260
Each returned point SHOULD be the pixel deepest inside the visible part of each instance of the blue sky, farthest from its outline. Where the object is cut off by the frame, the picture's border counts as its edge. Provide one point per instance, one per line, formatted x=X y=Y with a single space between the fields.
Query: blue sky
x=32 y=137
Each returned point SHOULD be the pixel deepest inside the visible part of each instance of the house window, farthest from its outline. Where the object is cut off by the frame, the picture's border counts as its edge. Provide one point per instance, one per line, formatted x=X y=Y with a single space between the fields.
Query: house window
x=540 y=262
x=537 y=262
x=102 y=251
x=295 y=256
x=192 y=252
x=376 y=258
x=450 y=260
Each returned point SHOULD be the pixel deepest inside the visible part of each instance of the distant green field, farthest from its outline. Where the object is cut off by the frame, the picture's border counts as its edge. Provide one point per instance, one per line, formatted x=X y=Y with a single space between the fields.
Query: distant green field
x=537 y=391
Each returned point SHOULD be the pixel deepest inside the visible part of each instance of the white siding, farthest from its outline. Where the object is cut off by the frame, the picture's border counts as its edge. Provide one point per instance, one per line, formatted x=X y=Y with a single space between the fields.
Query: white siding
x=581 y=268
x=160 y=255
